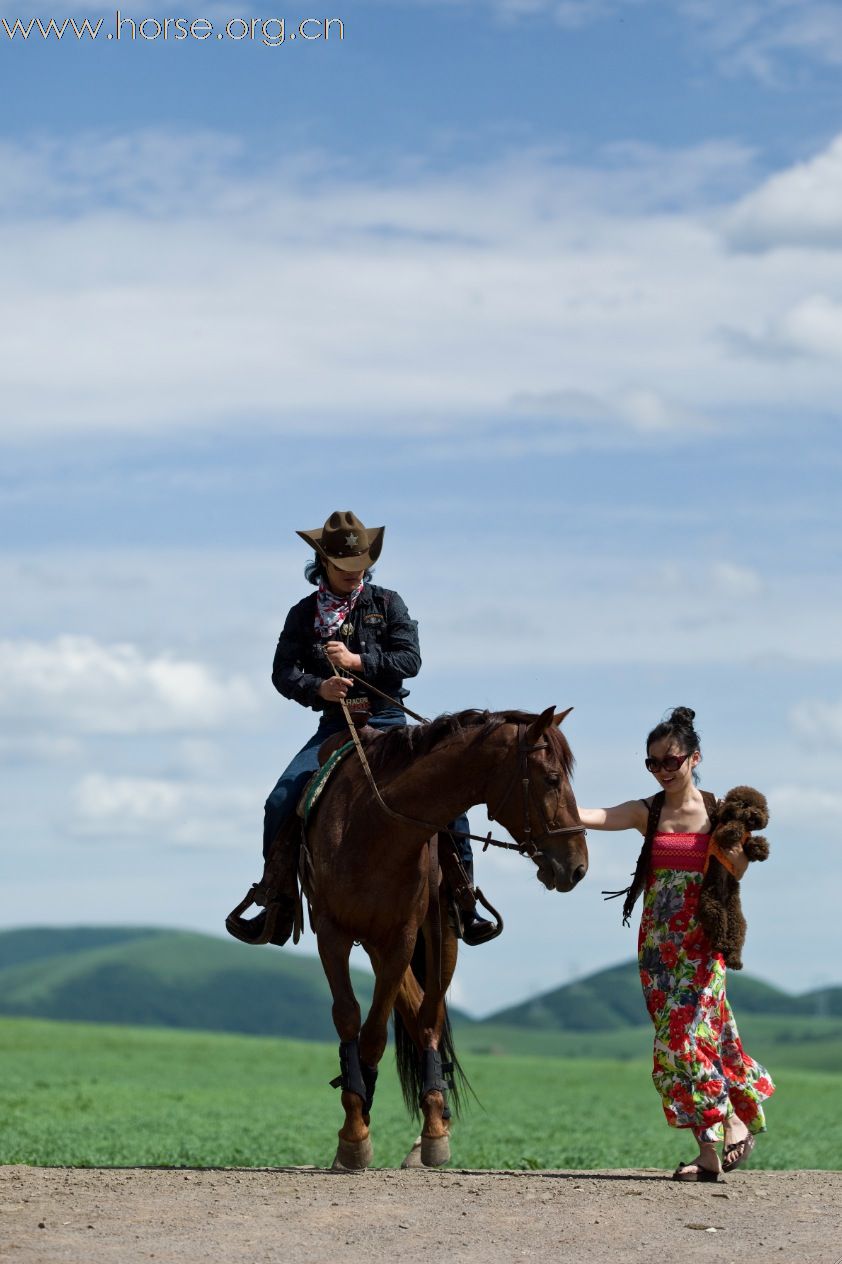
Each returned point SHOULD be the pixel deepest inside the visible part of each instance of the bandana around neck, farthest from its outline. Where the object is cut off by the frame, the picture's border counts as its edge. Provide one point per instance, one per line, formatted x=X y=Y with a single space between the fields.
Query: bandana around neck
x=332 y=611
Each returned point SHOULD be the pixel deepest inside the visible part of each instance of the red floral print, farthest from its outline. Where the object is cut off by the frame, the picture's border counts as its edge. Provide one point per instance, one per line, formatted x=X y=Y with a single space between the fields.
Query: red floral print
x=700 y=1068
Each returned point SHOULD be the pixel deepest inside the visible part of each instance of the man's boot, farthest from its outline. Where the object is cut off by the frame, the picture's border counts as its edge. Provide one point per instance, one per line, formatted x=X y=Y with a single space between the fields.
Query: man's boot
x=459 y=876
x=277 y=892
x=475 y=929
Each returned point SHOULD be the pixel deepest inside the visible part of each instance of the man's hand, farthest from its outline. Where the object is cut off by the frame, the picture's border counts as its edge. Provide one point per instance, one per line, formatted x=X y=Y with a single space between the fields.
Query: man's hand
x=334 y=688
x=341 y=656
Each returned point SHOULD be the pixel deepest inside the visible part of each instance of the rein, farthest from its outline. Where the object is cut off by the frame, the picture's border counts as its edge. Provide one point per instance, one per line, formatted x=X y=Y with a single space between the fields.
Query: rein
x=369 y=688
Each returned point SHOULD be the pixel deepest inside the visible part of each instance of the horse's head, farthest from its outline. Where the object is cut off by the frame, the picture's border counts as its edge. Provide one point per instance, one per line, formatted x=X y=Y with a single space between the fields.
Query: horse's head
x=537 y=805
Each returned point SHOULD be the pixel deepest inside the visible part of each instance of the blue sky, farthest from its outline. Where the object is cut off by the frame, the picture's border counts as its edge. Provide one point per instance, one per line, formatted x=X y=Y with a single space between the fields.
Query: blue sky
x=554 y=290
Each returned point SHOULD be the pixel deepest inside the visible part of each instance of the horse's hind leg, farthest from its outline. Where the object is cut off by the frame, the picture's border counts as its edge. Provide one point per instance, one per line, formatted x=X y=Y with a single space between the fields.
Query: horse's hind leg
x=435 y=1135
x=423 y=1014
x=354 y=1152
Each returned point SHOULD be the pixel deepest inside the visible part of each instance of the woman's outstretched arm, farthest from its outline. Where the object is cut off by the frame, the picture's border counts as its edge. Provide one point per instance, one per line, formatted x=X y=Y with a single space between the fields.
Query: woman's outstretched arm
x=631 y=815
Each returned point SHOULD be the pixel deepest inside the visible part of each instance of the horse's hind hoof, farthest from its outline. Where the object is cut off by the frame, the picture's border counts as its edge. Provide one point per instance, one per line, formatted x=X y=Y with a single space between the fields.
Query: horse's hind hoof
x=435 y=1151
x=413 y=1159
x=352 y=1156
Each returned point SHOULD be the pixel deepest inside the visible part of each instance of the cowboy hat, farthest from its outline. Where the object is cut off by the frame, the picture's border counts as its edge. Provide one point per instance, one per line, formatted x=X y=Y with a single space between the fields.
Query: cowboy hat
x=344 y=541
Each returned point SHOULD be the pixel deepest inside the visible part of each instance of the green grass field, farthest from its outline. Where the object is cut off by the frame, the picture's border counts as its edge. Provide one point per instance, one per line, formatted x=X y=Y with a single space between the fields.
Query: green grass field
x=79 y=1094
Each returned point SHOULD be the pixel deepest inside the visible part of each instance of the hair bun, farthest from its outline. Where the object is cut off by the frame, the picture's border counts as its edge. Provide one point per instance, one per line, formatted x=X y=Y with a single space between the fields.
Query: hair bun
x=682 y=715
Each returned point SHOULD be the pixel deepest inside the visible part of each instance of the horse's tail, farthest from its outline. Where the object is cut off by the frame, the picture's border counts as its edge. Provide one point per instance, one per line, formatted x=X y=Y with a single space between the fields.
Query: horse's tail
x=407 y=1056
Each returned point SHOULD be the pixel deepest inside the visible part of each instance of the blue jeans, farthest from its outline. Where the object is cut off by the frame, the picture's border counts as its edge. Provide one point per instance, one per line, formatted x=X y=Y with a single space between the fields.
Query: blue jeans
x=283 y=800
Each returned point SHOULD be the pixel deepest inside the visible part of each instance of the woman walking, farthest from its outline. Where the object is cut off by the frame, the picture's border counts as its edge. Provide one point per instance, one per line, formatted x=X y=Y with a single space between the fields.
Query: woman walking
x=706 y=1080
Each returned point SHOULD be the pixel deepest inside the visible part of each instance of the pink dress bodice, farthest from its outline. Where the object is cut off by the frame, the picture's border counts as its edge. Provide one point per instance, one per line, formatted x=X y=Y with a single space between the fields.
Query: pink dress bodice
x=680 y=851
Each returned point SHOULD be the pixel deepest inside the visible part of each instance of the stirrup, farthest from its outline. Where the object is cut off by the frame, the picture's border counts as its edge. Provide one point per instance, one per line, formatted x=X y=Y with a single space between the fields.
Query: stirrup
x=264 y=928
x=481 y=931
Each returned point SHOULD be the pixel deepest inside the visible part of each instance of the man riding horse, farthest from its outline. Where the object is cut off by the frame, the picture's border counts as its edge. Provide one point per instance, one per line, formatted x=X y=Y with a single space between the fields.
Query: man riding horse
x=337 y=641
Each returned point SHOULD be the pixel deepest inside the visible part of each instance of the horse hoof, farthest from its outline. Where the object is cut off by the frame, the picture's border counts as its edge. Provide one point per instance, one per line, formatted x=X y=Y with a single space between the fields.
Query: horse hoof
x=435 y=1151
x=413 y=1159
x=352 y=1156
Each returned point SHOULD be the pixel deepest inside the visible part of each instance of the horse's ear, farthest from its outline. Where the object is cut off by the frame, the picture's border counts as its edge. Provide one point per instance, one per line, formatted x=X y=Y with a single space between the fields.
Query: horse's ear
x=559 y=719
x=539 y=726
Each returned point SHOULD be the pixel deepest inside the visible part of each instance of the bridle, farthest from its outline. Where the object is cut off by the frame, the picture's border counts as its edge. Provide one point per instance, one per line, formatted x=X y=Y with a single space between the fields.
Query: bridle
x=529 y=846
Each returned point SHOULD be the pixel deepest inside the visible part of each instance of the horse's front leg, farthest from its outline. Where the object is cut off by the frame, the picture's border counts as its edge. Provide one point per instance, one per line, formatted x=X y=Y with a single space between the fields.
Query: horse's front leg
x=435 y=1134
x=354 y=1152
x=389 y=962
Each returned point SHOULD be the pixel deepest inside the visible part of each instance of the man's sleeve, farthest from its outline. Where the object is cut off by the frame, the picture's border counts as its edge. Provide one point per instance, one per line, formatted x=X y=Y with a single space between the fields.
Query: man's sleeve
x=288 y=675
x=398 y=655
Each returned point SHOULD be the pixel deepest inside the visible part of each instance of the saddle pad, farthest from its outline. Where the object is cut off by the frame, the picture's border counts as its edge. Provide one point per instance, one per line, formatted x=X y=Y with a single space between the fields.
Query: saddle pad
x=319 y=780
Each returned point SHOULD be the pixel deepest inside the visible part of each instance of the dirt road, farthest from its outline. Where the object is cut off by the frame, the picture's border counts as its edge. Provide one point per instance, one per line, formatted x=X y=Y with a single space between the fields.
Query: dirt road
x=314 y=1217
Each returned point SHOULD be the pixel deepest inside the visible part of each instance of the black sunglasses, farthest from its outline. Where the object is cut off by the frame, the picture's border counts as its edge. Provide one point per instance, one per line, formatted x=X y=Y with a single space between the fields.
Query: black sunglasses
x=670 y=763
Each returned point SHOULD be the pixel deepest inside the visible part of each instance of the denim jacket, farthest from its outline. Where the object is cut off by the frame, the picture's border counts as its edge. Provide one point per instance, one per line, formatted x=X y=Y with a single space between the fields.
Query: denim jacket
x=382 y=634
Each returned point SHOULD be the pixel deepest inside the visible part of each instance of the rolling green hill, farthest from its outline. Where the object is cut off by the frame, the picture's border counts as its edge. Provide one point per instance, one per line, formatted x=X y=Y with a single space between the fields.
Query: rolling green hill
x=165 y=979
x=611 y=999
x=161 y=978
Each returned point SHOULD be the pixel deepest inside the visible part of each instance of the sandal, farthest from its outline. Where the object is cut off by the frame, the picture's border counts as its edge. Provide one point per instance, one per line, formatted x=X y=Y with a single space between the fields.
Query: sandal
x=692 y=1172
x=737 y=1153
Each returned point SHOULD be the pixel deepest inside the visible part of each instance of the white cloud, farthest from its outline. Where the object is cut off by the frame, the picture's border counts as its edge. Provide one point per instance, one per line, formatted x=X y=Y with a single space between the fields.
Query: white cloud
x=738 y=36
x=732 y=580
x=308 y=295
x=805 y=806
x=610 y=612
x=818 y=721
x=160 y=810
x=721 y=579
x=641 y=409
x=811 y=328
x=742 y=36
x=76 y=684
x=796 y=207
x=814 y=327
x=36 y=748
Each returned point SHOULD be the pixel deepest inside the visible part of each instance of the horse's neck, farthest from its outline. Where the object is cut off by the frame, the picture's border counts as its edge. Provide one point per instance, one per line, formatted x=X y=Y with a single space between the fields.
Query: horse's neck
x=448 y=780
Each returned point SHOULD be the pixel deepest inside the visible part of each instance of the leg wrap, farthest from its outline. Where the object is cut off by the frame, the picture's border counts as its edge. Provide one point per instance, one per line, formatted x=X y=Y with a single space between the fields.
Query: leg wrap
x=434 y=1081
x=353 y=1076
x=370 y=1081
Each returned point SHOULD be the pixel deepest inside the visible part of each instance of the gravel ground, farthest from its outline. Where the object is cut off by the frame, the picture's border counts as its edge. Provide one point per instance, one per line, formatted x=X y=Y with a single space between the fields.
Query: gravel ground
x=310 y=1216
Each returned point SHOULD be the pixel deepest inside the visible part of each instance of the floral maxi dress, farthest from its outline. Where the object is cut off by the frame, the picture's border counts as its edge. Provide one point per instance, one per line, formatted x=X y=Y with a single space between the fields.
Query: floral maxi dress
x=701 y=1070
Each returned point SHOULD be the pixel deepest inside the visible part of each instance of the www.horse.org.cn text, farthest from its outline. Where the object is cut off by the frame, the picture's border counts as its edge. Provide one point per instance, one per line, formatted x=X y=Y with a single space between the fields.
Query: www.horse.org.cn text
x=271 y=32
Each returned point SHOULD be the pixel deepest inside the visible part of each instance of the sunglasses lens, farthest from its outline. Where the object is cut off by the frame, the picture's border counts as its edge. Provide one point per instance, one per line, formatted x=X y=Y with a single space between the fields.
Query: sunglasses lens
x=670 y=763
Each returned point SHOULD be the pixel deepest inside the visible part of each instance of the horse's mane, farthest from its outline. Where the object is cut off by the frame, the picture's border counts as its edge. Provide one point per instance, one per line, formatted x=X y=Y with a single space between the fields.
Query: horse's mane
x=397 y=747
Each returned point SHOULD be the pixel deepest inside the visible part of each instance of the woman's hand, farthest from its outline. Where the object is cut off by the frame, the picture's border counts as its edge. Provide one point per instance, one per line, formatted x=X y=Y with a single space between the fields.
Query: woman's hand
x=340 y=656
x=734 y=858
x=334 y=688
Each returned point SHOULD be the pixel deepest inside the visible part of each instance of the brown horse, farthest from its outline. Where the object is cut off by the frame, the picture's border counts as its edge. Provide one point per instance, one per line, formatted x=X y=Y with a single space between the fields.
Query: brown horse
x=369 y=880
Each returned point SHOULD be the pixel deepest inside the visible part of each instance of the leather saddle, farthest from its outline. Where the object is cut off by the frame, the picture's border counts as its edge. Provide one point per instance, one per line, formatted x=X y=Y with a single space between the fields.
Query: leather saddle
x=366 y=733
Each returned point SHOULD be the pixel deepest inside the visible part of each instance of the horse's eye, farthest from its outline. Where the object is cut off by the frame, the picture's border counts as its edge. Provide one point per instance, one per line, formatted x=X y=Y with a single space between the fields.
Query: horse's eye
x=552 y=778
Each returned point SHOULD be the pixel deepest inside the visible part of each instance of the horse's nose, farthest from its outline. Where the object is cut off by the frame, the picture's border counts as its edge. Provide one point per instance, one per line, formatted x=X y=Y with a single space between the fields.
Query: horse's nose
x=557 y=877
